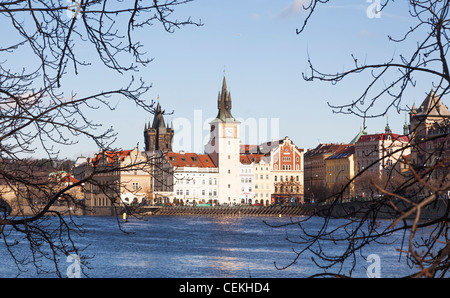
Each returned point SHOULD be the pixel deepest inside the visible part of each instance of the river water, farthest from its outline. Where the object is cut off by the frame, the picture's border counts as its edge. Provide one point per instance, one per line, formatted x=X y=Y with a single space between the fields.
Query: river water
x=194 y=247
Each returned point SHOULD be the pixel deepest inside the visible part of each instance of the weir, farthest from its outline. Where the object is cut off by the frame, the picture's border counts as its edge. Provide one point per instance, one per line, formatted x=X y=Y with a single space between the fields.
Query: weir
x=233 y=211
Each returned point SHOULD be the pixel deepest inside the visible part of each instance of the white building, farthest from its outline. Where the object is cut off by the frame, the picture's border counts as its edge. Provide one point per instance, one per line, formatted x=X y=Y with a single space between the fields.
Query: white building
x=195 y=178
x=247 y=180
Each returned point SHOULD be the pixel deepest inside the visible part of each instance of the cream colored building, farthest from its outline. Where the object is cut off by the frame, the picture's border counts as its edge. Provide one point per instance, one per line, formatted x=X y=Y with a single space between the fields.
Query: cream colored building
x=264 y=185
x=120 y=177
x=340 y=170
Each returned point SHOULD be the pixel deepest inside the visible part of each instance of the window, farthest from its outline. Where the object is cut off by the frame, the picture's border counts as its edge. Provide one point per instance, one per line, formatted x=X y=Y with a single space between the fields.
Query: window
x=135 y=185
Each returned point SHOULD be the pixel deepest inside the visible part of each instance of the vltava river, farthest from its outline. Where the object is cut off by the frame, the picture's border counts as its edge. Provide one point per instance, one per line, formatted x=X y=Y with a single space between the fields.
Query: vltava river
x=191 y=247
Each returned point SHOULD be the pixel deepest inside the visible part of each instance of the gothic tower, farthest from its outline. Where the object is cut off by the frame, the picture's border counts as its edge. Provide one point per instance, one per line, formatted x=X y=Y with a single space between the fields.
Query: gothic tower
x=158 y=136
x=223 y=148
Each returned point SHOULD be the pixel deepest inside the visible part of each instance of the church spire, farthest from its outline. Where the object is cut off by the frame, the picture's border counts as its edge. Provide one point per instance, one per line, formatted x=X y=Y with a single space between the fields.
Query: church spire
x=405 y=127
x=387 y=129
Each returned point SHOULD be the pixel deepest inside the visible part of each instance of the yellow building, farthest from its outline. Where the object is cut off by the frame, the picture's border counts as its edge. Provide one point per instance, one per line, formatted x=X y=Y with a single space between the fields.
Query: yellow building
x=340 y=170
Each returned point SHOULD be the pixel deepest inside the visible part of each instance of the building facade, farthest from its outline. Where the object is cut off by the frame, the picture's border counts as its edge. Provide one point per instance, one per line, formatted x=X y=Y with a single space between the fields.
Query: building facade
x=315 y=170
x=287 y=166
x=195 y=179
x=223 y=148
x=429 y=126
x=379 y=157
x=340 y=170
x=119 y=177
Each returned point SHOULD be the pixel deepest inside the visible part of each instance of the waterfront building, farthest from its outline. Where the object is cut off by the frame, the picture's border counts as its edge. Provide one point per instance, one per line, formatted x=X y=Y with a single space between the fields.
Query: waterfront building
x=315 y=169
x=223 y=149
x=263 y=180
x=249 y=163
x=379 y=157
x=195 y=178
x=429 y=131
x=287 y=172
x=121 y=177
x=162 y=177
x=278 y=172
x=340 y=170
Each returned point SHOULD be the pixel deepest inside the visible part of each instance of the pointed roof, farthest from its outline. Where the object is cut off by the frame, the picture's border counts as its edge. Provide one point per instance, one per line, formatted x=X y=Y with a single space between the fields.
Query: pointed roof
x=158 y=120
x=224 y=103
x=432 y=107
x=362 y=132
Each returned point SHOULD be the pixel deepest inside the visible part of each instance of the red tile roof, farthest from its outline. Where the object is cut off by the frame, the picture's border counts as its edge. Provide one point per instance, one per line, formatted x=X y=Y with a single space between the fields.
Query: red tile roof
x=68 y=179
x=189 y=160
x=250 y=158
x=382 y=136
x=112 y=156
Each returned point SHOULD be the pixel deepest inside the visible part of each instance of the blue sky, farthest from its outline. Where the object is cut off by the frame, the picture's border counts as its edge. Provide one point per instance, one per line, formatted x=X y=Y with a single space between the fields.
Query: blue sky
x=255 y=42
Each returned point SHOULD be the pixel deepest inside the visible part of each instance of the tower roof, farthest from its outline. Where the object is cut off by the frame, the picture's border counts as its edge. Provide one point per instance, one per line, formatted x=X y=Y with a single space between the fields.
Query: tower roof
x=362 y=132
x=432 y=106
x=224 y=103
x=158 y=120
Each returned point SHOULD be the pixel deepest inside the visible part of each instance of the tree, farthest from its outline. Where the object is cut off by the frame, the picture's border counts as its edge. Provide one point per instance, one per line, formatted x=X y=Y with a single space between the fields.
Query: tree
x=409 y=196
x=40 y=108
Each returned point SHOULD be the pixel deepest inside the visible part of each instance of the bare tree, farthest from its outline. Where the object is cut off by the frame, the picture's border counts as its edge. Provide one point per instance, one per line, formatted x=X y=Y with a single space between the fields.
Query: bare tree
x=39 y=108
x=424 y=186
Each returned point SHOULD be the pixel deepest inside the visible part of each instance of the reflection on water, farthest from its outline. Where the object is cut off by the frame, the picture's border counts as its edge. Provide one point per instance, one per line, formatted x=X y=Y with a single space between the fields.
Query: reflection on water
x=162 y=246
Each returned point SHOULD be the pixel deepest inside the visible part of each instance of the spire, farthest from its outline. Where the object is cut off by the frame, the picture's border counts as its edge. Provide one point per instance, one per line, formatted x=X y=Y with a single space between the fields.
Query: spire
x=387 y=129
x=224 y=102
x=158 y=120
x=405 y=126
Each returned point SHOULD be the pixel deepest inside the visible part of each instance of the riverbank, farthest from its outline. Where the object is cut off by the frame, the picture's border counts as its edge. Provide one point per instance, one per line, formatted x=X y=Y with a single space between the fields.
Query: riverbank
x=437 y=210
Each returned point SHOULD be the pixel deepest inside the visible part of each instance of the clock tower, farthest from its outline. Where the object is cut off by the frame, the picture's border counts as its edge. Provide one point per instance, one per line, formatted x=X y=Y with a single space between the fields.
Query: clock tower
x=223 y=148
